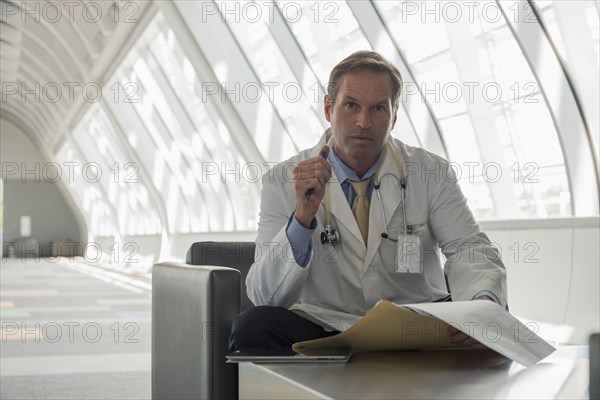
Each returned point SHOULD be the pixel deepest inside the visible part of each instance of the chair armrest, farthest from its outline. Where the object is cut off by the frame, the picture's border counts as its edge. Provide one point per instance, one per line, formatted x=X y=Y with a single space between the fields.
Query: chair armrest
x=192 y=311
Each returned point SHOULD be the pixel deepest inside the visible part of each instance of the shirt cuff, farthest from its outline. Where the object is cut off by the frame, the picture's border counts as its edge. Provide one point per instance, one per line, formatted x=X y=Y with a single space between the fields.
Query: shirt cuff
x=299 y=238
x=489 y=294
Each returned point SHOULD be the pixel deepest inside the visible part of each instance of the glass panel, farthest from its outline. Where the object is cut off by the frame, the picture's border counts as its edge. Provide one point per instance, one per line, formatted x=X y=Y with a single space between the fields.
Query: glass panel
x=574 y=29
x=234 y=82
x=538 y=171
x=119 y=176
x=87 y=194
x=522 y=119
x=327 y=32
x=591 y=23
x=214 y=149
x=152 y=152
x=216 y=166
x=298 y=104
x=190 y=154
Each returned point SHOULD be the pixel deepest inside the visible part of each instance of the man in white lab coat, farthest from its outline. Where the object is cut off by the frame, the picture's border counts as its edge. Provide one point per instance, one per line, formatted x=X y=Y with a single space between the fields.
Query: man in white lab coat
x=382 y=243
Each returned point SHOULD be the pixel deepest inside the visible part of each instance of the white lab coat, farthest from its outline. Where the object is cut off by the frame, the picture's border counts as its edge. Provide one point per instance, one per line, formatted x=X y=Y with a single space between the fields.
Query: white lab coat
x=343 y=281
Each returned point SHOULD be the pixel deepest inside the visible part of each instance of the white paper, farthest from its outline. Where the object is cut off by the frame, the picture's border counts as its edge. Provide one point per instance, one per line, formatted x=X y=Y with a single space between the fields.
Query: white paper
x=492 y=326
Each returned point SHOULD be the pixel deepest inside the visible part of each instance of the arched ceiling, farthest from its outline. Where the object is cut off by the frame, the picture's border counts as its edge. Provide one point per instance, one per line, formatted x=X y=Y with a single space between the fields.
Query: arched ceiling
x=57 y=57
x=54 y=56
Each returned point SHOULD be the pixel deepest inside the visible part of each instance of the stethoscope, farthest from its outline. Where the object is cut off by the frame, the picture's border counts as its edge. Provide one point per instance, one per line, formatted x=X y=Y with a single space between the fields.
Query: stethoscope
x=331 y=236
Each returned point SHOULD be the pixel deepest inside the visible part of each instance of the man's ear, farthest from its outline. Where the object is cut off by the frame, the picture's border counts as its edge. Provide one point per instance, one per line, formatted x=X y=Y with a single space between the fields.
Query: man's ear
x=327 y=105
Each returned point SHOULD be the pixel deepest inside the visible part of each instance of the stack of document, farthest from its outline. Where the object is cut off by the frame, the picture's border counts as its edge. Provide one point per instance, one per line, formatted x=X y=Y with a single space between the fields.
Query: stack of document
x=389 y=327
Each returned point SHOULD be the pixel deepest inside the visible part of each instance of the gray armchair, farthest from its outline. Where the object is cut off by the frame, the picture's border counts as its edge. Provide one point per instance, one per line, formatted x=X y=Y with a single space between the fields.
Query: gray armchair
x=193 y=306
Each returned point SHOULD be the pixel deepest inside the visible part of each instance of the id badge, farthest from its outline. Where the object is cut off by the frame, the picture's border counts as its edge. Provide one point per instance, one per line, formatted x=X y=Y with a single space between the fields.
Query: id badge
x=409 y=254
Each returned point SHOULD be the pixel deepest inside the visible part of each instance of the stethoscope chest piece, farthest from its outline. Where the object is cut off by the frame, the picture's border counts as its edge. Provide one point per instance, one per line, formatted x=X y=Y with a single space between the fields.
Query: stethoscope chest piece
x=330 y=235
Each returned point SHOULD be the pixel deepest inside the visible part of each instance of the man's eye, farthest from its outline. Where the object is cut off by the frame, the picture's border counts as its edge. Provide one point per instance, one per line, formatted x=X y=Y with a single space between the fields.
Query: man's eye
x=379 y=108
x=350 y=105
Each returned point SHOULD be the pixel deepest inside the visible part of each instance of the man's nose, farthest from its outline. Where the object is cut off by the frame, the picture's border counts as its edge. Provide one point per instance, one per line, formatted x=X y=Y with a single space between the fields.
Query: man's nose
x=363 y=120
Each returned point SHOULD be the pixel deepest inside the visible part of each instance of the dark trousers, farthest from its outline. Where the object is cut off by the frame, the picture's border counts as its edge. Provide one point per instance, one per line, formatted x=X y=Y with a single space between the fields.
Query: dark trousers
x=265 y=328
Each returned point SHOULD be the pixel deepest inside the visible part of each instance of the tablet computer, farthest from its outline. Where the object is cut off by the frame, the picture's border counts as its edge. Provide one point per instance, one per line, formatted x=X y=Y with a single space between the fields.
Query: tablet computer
x=289 y=356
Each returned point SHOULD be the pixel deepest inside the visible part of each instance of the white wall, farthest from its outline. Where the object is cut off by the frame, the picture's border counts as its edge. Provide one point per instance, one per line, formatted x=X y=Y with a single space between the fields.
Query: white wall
x=553 y=269
x=15 y=146
x=30 y=189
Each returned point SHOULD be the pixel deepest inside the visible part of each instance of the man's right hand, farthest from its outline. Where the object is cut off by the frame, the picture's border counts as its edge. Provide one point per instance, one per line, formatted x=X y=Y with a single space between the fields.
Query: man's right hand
x=312 y=173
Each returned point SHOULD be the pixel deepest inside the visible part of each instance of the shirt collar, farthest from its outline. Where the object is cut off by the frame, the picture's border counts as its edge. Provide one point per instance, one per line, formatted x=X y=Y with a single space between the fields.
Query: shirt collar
x=344 y=172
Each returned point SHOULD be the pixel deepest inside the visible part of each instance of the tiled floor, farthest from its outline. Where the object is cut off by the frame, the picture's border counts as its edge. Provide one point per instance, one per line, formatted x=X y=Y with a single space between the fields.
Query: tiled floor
x=70 y=330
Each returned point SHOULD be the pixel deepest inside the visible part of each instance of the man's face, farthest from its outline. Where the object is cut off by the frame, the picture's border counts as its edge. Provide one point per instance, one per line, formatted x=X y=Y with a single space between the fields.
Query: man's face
x=361 y=118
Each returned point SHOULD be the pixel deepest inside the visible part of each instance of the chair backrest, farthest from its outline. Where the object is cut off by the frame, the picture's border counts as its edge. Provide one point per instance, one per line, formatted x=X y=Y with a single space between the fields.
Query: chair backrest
x=237 y=255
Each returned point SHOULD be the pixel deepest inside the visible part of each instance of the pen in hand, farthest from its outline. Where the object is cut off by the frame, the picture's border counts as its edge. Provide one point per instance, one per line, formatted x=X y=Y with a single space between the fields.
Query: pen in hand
x=310 y=191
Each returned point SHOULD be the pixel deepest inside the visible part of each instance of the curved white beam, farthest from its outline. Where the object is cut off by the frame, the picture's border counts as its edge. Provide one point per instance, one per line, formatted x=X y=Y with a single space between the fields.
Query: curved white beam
x=155 y=195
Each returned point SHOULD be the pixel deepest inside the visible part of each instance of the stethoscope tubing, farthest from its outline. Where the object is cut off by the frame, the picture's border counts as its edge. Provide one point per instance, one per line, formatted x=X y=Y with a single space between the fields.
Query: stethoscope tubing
x=331 y=236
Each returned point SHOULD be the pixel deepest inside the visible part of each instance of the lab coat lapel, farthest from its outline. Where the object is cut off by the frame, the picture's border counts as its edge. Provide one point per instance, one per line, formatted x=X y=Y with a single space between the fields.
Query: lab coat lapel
x=391 y=199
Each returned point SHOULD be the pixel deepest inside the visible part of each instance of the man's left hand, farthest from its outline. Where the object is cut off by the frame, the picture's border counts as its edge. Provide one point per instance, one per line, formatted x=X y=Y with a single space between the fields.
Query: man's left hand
x=460 y=338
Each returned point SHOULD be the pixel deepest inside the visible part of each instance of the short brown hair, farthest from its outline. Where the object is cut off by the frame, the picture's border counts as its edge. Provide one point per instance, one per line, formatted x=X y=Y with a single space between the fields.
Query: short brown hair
x=366 y=60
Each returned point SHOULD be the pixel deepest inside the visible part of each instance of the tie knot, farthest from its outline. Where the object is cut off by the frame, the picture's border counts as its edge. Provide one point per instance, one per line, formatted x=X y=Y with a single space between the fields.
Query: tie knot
x=360 y=188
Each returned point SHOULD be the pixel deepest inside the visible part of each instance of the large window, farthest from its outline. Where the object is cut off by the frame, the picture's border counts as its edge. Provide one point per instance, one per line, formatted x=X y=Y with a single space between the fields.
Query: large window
x=488 y=104
x=188 y=151
x=87 y=191
x=211 y=94
x=118 y=175
x=296 y=95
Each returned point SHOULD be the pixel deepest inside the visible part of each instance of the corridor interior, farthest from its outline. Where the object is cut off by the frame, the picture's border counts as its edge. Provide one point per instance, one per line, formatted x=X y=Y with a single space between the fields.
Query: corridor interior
x=70 y=330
